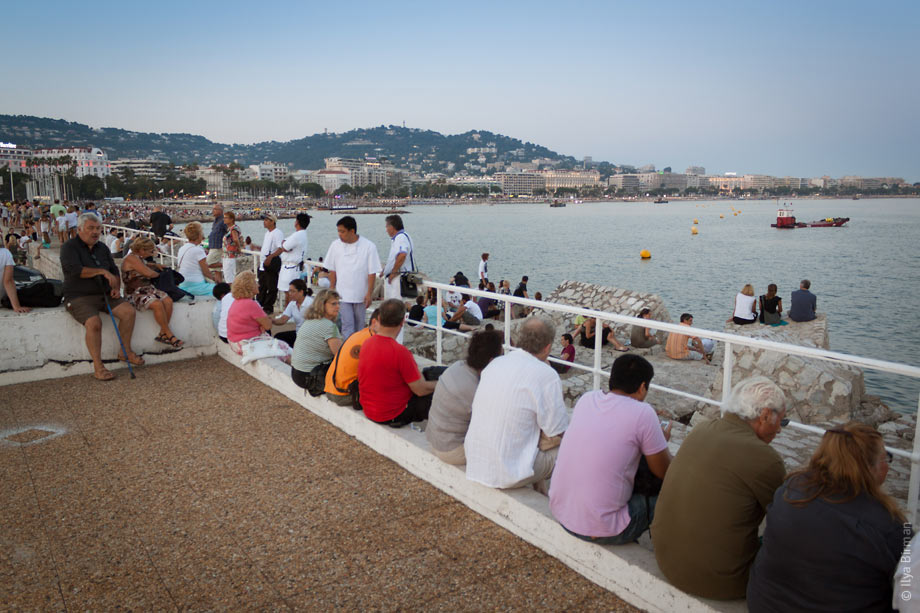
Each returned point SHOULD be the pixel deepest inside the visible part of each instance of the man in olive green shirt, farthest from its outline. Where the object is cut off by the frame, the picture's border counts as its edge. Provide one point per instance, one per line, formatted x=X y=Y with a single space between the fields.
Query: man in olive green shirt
x=716 y=493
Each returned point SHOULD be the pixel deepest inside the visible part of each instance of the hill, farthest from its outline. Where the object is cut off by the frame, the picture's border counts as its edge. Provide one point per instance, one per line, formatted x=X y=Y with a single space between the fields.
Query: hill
x=419 y=150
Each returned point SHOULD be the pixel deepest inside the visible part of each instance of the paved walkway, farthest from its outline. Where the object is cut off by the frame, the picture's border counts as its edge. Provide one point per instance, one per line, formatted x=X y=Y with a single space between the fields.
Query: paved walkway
x=195 y=487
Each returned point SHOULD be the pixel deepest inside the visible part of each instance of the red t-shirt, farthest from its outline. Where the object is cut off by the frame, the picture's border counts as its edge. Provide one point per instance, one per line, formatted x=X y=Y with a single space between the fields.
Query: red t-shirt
x=385 y=370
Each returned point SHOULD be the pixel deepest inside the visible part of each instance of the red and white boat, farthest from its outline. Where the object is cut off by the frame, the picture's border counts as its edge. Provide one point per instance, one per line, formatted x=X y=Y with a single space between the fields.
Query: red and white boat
x=785 y=220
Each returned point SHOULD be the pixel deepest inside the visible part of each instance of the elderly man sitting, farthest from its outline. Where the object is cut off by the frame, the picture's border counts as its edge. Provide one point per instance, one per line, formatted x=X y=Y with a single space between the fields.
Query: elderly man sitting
x=89 y=275
x=518 y=398
x=716 y=492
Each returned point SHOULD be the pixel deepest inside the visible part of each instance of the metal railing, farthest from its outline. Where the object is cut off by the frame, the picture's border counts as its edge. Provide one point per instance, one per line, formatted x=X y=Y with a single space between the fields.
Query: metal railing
x=729 y=340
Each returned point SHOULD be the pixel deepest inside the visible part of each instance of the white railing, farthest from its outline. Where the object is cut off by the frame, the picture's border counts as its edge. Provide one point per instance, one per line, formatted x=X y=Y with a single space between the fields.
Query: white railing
x=729 y=340
x=170 y=255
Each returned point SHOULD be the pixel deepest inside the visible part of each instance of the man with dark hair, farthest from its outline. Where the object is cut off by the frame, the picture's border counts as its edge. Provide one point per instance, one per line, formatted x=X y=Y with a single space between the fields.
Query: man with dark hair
x=592 y=492
x=484 y=269
x=160 y=222
x=391 y=387
x=85 y=260
x=685 y=346
x=399 y=260
x=804 y=303
x=292 y=252
x=519 y=310
x=568 y=354
x=353 y=264
x=519 y=398
x=270 y=267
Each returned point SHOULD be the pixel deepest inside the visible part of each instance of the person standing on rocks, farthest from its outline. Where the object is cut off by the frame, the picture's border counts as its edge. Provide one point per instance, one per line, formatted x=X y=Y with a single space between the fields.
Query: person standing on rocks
x=716 y=492
x=484 y=270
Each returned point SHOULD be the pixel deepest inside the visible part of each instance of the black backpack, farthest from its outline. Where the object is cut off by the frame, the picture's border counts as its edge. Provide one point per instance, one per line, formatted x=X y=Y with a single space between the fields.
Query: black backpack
x=34 y=290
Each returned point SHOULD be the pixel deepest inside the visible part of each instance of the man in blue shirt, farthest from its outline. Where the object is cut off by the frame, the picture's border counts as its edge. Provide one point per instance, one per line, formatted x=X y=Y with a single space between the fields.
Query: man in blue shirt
x=216 y=241
x=804 y=303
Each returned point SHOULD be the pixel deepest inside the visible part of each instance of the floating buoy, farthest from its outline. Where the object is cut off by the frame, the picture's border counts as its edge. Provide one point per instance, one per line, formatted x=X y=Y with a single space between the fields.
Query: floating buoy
x=693 y=230
x=696 y=221
x=645 y=254
x=721 y=216
x=735 y=213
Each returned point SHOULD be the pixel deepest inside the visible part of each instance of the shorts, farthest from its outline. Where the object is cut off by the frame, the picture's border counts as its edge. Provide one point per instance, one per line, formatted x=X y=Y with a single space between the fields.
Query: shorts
x=214 y=257
x=82 y=308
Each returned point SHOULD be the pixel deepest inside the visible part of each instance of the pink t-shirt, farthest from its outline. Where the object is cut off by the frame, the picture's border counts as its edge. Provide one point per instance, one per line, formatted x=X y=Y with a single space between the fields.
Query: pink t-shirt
x=596 y=466
x=241 y=320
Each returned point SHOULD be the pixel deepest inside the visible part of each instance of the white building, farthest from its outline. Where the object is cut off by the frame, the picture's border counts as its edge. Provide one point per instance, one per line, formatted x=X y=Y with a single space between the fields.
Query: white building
x=576 y=179
x=268 y=171
x=150 y=168
x=330 y=179
x=85 y=161
x=12 y=155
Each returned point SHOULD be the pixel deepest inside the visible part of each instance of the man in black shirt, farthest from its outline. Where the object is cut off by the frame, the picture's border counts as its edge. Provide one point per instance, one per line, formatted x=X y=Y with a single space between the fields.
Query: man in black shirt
x=518 y=310
x=160 y=222
x=89 y=273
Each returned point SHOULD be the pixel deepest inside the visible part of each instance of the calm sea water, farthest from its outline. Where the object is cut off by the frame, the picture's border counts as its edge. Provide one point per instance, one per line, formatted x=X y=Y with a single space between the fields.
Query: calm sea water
x=866 y=275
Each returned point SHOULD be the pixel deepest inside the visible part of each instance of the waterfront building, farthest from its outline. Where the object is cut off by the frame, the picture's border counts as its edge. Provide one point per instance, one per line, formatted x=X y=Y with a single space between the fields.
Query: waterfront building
x=662 y=180
x=624 y=183
x=521 y=183
x=330 y=179
x=479 y=183
x=216 y=181
x=370 y=171
x=150 y=168
x=726 y=183
x=85 y=161
x=695 y=170
x=15 y=156
x=790 y=182
x=269 y=171
x=757 y=182
x=576 y=179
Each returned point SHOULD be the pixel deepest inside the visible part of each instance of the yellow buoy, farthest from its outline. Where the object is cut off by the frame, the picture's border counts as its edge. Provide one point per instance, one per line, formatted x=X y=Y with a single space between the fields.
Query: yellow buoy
x=721 y=216
x=696 y=221
x=645 y=254
x=735 y=213
x=693 y=230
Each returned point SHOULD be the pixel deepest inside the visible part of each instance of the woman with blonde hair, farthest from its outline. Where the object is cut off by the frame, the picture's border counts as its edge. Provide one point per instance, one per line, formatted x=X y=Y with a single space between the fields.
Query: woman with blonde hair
x=745 y=306
x=318 y=338
x=136 y=278
x=833 y=536
x=192 y=263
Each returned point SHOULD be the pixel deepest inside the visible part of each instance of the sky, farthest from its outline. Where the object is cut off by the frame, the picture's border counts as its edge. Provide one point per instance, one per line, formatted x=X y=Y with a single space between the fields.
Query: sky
x=803 y=88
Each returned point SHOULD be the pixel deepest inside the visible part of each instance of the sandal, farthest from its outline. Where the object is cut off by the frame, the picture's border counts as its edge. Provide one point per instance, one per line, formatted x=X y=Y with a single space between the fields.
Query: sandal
x=104 y=375
x=172 y=341
x=134 y=359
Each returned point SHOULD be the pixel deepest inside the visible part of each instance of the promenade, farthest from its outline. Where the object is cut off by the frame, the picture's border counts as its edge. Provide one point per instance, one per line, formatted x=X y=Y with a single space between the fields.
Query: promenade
x=195 y=487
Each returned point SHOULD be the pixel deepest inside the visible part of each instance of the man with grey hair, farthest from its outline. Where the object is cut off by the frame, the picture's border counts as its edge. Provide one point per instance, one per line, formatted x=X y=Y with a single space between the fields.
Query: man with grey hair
x=517 y=412
x=89 y=274
x=716 y=492
x=216 y=242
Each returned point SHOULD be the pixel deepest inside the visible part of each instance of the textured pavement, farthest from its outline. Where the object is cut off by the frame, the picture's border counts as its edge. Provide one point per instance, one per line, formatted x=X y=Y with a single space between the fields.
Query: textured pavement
x=194 y=487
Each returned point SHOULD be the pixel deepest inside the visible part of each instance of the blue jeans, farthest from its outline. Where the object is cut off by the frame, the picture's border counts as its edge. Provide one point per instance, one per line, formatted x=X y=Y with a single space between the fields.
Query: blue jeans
x=352 y=315
x=641 y=512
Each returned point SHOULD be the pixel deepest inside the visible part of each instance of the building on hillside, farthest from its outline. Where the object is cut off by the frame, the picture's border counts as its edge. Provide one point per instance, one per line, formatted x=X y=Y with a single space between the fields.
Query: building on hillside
x=521 y=183
x=85 y=161
x=150 y=168
x=268 y=171
x=370 y=171
x=576 y=179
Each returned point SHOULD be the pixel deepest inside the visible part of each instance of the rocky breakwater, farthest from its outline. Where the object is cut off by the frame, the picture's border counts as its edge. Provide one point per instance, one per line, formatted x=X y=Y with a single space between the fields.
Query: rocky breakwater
x=820 y=391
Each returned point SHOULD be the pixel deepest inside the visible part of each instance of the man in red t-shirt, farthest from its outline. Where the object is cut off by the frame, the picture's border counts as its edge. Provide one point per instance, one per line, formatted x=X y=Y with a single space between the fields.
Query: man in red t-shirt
x=391 y=388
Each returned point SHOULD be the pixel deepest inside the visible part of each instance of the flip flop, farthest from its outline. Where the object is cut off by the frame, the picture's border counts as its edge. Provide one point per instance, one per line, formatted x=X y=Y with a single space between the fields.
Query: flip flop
x=105 y=375
x=135 y=361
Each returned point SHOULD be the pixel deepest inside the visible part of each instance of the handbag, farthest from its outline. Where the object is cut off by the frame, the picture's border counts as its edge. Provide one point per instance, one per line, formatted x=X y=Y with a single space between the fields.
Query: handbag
x=409 y=280
x=316 y=382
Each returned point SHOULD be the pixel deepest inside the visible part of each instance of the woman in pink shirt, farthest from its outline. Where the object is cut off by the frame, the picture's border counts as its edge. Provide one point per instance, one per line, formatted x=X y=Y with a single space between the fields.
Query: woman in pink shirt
x=245 y=319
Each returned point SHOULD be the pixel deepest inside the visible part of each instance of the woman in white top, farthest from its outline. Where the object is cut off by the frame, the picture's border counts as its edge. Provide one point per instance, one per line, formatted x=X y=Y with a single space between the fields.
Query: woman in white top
x=298 y=302
x=193 y=265
x=745 y=306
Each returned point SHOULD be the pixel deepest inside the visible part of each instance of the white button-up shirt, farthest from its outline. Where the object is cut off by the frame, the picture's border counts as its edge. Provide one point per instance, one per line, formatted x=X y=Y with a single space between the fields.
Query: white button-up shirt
x=270 y=244
x=400 y=243
x=352 y=263
x=518 y=395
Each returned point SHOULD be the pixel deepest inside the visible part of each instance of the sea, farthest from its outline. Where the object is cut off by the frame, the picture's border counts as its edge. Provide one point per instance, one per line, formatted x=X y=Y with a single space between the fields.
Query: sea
x=866 y=275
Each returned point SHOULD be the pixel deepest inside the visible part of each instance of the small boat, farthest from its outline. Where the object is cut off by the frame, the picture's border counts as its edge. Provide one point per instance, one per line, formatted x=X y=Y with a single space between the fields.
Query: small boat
x=785 y=220
x=556 y=204
x=661 y=200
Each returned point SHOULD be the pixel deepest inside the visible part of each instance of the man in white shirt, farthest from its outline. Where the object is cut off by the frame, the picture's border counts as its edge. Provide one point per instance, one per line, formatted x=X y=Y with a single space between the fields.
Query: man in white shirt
x=353 y=264
x=292 y=252
x=271 y=264
x=400 y=258
x=484 y=270
x=518 y=398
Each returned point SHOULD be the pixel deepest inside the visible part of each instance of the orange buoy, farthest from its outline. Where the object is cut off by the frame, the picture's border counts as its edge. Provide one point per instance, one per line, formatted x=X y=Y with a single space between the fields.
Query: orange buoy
x=645 y=254
x=693 y=230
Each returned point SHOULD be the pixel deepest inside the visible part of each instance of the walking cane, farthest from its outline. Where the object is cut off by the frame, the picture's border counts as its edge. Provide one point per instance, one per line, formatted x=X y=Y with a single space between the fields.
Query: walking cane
x=108 y=307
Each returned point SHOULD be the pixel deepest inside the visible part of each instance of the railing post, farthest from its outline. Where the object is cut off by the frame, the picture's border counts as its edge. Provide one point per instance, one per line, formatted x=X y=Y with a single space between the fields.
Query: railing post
x=913 y=487
x=440 y=332
x=598 y=343
x=507 y=321
x=728 y=363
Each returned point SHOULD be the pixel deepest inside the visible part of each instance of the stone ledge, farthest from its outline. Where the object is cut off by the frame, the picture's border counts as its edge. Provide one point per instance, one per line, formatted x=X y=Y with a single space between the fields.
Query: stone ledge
x=628 y=571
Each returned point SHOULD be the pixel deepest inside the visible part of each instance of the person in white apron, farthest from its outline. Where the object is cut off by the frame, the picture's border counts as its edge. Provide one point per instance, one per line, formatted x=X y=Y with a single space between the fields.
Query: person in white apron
x=293 y=251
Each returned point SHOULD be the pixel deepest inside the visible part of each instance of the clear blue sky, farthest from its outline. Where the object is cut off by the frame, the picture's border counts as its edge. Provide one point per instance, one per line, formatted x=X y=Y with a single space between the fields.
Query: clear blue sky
x=786 y=88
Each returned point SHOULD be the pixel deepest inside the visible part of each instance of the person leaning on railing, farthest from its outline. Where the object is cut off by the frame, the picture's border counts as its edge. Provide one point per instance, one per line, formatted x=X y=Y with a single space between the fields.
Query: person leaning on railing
x=833 y=537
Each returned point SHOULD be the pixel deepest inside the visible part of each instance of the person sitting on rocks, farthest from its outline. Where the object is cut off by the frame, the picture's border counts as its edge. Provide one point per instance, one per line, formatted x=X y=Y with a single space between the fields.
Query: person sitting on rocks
x=685 y=346
x=804 y=303
x=390 y=385
x=343 y=371
x=467 y=316
x=489 y=306
x=641 y=337
x=771 y=307
x=592 y=491
x=417 y=312
x=716 y=492
x=568 y=354
x=519 y=399
x=745 y=306
x=452 y=403
x=585 y=330
x=833 y=537
x=89 y=274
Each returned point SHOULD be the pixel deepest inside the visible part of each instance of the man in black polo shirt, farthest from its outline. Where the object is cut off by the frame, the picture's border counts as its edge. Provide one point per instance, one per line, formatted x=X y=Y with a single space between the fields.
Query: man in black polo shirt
x=160 y=222
x=89 y=271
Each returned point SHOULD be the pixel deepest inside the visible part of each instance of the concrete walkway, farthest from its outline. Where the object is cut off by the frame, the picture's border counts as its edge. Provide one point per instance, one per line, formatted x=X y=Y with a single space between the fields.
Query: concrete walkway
x=196 y=487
